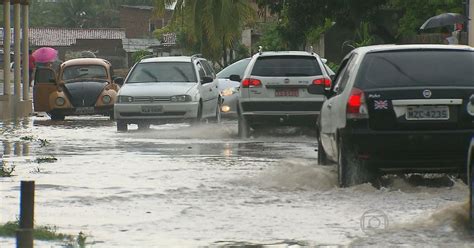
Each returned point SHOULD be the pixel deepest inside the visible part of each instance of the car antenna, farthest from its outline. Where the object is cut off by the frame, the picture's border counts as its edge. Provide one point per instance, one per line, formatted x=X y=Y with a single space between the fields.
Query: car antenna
x=312 y=50
x=260 y=50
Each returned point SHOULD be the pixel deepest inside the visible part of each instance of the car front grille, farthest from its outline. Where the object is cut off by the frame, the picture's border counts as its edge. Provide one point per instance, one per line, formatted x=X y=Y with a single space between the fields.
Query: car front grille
x=146 y=99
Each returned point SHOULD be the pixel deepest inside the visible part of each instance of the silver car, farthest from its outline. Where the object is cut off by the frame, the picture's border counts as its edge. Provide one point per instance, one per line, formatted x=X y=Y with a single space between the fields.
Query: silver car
x=229 y=89
x=168 y=89
x=282 y=88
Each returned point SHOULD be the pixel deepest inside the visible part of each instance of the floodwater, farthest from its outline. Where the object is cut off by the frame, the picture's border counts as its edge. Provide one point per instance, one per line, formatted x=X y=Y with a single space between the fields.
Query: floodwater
x=200 y=186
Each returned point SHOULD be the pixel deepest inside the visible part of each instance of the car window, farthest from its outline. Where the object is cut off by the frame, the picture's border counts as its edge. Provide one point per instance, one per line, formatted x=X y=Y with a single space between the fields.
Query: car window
x=339 y=75
x=201 y=71
x=83 y=72
x=348 y=71
x=44 y=76
x=208 y=69
x=162 y=72
x=286 y=66
x=417 y=68
x=237 y=68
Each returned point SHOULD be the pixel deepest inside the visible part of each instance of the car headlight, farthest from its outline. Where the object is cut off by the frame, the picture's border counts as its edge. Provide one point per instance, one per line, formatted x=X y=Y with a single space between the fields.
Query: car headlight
x=180 y=98
x=106 y=99
x=229 y=91
x=125 y=99
x=60 y=101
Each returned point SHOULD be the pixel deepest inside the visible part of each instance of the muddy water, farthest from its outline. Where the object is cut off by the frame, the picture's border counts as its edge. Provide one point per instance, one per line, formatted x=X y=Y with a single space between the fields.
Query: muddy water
x=182 y=186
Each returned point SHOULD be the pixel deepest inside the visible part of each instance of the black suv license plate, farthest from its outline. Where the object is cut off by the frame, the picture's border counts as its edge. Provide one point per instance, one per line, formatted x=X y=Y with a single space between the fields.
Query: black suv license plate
x=427 y=113
x=152 y=109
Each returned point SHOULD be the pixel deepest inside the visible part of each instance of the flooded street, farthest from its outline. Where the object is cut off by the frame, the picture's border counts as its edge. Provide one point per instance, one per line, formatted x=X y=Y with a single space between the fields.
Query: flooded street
x=200 y=186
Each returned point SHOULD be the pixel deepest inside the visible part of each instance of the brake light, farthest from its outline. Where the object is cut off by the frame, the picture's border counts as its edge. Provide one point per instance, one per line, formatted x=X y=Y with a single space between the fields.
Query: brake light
x=356 y=105
x=326 y=82
x=251 y=83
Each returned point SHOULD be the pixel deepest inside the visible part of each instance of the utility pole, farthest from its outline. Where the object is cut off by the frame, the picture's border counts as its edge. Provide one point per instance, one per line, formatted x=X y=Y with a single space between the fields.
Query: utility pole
x=470 y=26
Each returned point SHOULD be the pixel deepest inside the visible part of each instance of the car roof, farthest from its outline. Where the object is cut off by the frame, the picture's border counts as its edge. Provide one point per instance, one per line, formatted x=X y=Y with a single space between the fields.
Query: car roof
x=284 y=53
x=86 y=61
x=167 y=59
x=392 y=47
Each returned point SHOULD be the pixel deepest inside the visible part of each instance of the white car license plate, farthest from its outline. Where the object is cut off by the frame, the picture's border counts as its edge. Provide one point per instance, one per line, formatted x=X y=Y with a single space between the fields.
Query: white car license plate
x=84 y=110
x=287 y=92
x=152 y=109
x=427 y=113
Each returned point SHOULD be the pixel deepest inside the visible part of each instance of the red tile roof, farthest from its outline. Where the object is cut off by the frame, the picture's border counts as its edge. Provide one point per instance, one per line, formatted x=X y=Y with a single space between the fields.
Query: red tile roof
x=67 y=36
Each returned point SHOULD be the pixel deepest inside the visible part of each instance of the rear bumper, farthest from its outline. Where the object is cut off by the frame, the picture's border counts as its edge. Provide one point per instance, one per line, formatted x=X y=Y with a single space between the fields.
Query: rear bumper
x=411 y=151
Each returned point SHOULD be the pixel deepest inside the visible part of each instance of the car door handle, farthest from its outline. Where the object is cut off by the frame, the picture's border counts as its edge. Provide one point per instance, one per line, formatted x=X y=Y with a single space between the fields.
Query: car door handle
x=329 y=105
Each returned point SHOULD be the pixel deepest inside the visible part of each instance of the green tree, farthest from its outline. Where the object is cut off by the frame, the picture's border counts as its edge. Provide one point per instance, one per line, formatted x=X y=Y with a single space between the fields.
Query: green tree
x=210 y=26
x=416 y=12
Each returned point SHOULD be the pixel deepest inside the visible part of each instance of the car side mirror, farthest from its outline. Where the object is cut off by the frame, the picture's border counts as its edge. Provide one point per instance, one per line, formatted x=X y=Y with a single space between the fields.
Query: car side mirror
x=119 y=80
x=235 y=77
x=206 y=79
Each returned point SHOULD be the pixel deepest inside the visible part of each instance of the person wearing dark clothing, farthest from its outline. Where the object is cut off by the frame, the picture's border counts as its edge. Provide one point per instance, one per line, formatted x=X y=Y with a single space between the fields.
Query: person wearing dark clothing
x=31 y=65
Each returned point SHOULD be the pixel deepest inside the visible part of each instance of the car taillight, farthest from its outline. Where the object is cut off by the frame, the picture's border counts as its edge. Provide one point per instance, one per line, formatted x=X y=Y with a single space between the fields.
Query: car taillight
x=326 y=82
x=356 y=105
x=251 y=83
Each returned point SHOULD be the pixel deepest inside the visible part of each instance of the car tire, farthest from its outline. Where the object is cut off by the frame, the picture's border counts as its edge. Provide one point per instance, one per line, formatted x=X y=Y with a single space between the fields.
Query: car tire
x=143 y=126
x=218 y=117
x=322 y=156
x=351 y=170
x=122 y=126
x=56 y=117
x=243 y=127
x=198 y=118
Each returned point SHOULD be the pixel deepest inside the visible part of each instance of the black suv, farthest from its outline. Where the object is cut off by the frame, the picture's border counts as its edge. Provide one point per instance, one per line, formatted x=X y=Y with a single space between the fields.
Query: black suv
x=399 y=108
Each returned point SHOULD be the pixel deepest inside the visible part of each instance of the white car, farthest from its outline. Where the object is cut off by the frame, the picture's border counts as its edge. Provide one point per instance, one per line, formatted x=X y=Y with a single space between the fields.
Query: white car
x=168 y=89
x=230 y=89
x=281 y=88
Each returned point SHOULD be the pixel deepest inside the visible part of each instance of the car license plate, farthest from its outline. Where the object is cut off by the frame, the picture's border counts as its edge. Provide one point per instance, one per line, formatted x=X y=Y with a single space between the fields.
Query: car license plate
x=84 y=110
x=427 y=113
x=152 y=109
x=287 y=92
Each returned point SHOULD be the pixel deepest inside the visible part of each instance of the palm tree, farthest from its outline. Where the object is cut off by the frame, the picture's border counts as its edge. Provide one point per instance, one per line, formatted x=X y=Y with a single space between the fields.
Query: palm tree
x=212 y=25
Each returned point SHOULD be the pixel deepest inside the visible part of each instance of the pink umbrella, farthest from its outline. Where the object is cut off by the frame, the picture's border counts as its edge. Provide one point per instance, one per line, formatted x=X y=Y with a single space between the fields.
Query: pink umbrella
x=45 y=54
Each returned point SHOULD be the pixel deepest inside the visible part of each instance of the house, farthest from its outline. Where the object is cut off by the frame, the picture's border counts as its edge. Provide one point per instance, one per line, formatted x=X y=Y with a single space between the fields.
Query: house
x=140 y=21
x=105 y=43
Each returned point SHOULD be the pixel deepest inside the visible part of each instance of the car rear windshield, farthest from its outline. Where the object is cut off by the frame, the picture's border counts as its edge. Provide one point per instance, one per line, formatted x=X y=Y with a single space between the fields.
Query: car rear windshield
x=286 y=66
x=417 y=68
x=163 y=72
x=84 y=72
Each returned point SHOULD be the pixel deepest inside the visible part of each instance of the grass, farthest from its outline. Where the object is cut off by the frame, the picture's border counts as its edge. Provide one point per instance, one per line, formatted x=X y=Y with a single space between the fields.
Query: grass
x=50 y=159
x=5 y=171
x=45 y=233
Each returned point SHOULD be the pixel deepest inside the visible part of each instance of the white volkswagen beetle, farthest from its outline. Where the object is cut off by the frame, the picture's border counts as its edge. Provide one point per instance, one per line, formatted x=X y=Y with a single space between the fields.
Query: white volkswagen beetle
x=168 y=89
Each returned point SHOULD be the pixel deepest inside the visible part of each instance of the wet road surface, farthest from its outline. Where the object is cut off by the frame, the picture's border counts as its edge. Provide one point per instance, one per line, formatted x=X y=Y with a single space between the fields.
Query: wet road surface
x=200 y=186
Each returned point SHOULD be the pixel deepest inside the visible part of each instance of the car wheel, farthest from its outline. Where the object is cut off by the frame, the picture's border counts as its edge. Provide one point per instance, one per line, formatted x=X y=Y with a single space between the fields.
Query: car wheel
x=322 y=156
x=122 y=126
x=218 y=116
x=351 y=170
x=56 y=117
x=198 y=118
x=243 y=127
x=143 y=126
